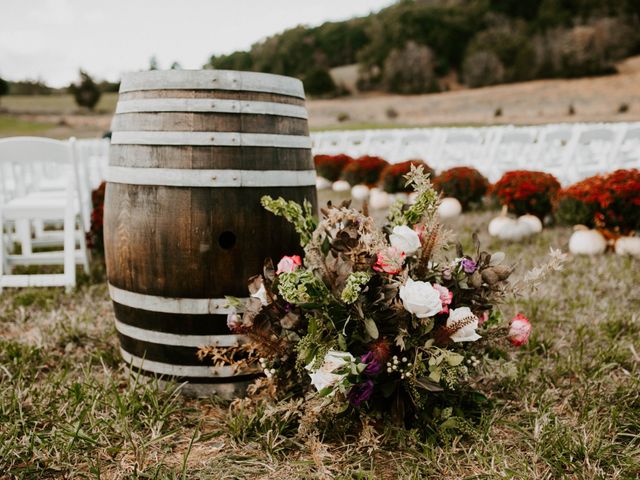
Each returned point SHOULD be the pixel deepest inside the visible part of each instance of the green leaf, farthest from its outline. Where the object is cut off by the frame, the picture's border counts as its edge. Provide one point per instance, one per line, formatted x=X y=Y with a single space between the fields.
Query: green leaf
x=454 y=359
x=435 y=376
x=371 y=328
x=342 y=343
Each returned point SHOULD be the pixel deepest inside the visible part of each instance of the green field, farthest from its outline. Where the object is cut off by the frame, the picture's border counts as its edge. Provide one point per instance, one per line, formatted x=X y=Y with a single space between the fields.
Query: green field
x=54 y=104
x=567 y=405
x=10 y=126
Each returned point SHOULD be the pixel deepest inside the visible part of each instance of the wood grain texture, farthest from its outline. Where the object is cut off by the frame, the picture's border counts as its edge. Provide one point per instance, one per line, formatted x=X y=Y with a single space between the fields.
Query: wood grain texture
x=196 y=242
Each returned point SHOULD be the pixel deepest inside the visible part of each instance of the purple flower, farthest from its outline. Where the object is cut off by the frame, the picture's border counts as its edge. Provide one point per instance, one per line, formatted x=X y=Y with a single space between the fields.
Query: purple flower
x=468 y=265
x=360 y=393
x=374 y=367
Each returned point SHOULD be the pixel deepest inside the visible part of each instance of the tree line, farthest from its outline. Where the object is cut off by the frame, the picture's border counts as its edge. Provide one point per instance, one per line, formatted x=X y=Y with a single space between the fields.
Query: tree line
x=416 y=46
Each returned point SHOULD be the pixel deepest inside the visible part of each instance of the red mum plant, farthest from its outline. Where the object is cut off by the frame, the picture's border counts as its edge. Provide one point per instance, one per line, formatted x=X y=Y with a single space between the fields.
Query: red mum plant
x=331 y=166
x=466 y=184
x=578 y=203
x=95 y=240
x=523 y=191
x=392 y=178
x=365 y=170
x=608 y=202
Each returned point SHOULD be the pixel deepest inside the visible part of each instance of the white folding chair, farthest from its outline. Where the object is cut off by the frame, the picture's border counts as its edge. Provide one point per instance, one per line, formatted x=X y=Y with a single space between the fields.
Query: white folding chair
x=418 y=145
x=24 y=157
x=384 y=144
x=512 y=149
x=556 y=144
x=593 y=149
x=627 y=154
x=460 y=147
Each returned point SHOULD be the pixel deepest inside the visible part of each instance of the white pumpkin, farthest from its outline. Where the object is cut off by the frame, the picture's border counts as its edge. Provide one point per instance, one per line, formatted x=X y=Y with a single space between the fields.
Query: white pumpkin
x=628 y=246
x=341 y=186
x=449 y=208
x=322 y=183
x=513 y=230
x=534 y=223
x=587 y=242
x=379 y=199
x=497 y=223
x=360 y=192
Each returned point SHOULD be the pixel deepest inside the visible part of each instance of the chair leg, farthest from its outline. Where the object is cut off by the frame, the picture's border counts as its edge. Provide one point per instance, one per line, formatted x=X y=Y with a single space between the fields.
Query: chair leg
x=23 y=232
x=69 y=248
x=2 y=240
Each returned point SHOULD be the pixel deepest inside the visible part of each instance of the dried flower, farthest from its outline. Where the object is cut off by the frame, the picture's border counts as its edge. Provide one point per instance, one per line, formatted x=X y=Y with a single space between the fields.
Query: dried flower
x=520 y=330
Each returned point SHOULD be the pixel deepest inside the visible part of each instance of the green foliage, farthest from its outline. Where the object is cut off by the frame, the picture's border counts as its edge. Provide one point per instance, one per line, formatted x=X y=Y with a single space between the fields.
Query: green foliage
x=319 y=82
x=86 y=93
x=355 y=283
x=300 y=217
x=302 y=287
x=4 y=87
x=508 y=40
x=425 y=205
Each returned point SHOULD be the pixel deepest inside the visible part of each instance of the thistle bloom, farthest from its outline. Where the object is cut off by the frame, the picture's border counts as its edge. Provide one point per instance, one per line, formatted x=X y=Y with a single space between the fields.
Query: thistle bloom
x=374 y=367
x=390 y=261
x=360 y=393
x=288 y=264
x=446 y=296
x=520 y=330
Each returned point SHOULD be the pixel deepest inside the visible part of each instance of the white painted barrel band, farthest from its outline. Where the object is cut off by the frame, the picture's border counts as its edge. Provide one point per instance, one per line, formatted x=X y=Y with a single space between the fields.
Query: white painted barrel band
x=176 y=177
x=200 y=105
x=211 y=80
x=161 y=368
x=222 y=139
x=187 y=306
x=179 y=340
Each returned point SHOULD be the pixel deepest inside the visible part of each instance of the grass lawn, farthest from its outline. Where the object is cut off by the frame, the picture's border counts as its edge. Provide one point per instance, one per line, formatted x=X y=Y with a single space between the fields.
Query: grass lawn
x=58 y=104
x=566 y=405
x=10 y=126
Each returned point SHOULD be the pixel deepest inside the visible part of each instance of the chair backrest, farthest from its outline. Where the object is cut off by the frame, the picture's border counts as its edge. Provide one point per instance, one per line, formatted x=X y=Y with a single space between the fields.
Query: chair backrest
x=30 y=159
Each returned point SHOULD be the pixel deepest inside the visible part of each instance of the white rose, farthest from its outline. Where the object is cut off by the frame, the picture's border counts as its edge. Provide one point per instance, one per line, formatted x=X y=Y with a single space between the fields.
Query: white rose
x=405 y=239
x=468 y=332
x=420 y=298
x=324 y=377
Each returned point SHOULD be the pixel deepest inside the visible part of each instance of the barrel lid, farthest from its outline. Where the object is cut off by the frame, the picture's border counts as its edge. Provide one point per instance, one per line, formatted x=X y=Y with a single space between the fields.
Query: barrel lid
x=211 y=80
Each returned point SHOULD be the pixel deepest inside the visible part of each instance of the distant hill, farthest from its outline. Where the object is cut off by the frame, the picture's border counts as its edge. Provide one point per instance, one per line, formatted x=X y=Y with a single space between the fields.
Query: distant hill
x=416 y=46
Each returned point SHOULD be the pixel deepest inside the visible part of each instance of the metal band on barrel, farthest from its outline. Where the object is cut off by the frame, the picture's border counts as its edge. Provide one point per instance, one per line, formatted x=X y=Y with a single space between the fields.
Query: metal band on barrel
x=161 y=368
x=187 y=306
x=211 y=80
x=221 y=139
x=175 y=177
x=200 y=105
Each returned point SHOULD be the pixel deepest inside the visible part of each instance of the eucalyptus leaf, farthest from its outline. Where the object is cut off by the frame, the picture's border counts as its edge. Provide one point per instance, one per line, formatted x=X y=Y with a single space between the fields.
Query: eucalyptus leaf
x=371 y=328
x=454 y=359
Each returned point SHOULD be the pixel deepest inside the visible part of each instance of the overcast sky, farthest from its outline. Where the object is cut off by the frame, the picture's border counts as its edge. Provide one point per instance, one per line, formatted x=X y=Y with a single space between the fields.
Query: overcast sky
x=52 y=39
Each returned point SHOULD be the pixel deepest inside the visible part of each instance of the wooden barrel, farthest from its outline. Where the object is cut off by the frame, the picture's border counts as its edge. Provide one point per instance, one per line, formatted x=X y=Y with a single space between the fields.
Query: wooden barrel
x=192 y=153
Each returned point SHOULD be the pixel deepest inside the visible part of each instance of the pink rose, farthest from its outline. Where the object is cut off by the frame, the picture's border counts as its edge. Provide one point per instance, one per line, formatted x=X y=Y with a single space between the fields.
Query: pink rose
x=520 y=330
x=446 y=297
x=288 y=264
x=483 y=317
x=390 y=261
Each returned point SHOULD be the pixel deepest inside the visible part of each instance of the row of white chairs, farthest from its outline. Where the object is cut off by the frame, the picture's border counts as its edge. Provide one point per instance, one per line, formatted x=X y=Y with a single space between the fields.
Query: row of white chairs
x=571 y=152
x=45 y=206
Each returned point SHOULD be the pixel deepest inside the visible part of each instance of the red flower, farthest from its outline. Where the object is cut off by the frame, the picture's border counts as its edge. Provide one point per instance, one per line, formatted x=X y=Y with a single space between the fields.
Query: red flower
x=466 y=184
x=393 y=179
x=331 y=166
x=365 y=170
x=524 y=191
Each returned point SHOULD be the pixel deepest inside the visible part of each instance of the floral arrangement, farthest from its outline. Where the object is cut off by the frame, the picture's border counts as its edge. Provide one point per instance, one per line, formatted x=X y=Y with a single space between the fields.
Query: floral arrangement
x=364 y=170
x=466 y=184
x=392 y=178
x=377 y=322
x=95 y=238
x=331 y=166
x=527 y=192
x=608 y=202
